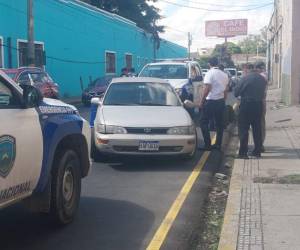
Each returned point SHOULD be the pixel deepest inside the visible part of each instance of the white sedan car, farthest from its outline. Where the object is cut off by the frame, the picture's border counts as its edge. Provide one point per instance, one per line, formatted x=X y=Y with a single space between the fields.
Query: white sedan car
x=142 y=116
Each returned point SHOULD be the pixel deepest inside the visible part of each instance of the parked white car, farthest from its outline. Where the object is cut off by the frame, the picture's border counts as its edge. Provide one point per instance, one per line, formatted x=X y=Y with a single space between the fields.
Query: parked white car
x=142 y=116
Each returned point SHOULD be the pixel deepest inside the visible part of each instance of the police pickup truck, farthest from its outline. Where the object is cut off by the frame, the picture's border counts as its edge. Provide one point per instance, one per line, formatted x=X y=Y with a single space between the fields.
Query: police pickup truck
x=44 y=151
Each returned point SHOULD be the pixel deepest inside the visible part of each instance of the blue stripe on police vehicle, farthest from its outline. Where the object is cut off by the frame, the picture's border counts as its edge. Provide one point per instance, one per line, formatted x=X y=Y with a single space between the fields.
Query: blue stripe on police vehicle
x=56 y=121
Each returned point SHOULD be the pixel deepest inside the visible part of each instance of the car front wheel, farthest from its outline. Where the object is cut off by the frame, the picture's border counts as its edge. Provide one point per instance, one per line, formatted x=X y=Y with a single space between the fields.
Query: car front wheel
x=66 y=187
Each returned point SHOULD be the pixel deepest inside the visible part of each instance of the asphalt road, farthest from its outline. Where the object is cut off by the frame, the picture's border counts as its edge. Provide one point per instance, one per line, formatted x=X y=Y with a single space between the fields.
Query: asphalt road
x=122 y=205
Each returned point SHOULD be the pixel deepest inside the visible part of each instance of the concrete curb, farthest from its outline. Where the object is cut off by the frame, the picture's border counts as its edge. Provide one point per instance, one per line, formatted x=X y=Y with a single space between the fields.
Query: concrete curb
x=230 y=228
x=229 y=234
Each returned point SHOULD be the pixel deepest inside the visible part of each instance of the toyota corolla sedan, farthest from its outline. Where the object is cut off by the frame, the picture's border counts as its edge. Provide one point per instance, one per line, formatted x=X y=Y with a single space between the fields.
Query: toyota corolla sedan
x=142 y=116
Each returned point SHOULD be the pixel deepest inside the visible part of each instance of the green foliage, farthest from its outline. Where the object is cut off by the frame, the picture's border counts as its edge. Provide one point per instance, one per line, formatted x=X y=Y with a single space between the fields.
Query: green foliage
x=255 y=43
x=223 y=54
x=138 y=11
x=203 y=61
x=233 y=48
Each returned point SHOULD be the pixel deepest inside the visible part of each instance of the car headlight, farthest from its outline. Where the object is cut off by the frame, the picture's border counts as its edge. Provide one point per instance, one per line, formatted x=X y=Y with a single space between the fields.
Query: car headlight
x=179 y=91
x=187 y=130
x=108 y=129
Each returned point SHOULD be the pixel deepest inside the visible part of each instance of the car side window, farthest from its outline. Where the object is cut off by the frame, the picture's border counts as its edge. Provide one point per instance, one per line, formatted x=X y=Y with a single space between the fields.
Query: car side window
x=24 y=79
x=39 y=77
x=8 y=99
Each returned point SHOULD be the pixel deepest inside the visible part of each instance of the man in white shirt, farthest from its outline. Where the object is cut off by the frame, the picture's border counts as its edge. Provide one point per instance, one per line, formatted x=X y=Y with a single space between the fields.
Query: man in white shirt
x=213 y=103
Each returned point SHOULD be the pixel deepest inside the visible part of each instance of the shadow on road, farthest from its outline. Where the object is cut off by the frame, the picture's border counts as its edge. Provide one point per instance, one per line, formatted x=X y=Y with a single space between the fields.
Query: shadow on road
x=100 y=224
x=151 y=163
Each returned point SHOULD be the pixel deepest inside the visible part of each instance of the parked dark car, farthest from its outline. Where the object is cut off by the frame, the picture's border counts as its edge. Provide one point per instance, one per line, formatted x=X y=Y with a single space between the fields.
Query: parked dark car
x=95 y=88
x=36 y=77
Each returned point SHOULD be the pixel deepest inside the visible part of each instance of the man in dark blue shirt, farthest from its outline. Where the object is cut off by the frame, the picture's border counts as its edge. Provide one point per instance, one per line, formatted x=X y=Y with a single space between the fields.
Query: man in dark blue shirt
x=251 y=89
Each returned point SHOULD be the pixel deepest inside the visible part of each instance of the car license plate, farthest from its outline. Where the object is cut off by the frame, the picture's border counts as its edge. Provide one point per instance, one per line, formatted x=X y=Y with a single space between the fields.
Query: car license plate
x=149 y=146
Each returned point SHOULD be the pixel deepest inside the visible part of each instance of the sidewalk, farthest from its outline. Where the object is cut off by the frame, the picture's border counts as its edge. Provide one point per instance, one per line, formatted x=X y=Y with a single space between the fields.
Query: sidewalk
x=263 y=207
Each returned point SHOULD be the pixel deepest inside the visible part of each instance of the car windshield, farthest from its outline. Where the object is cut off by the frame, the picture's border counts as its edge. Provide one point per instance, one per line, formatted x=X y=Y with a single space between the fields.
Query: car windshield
x=165 y=71
x=100 y=82
x=40 y=77
x=12 y=75
x=141 y=94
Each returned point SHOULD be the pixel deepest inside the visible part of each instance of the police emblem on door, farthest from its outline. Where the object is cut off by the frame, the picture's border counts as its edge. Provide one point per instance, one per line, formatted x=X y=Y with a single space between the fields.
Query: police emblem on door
x=7 y=154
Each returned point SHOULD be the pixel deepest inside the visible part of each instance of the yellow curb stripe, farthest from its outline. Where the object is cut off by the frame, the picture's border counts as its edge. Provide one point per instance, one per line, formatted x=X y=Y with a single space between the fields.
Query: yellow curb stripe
x=168 y=221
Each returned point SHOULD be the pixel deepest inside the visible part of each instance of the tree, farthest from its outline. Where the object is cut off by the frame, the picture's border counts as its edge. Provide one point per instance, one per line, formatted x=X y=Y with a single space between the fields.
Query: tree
x=255 y=43
x=232 y=48
x=138 y=11
x=223 y=54
x=203 y=61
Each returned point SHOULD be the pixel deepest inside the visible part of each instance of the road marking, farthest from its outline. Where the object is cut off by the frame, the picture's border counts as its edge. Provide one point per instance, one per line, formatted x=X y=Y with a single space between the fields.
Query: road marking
x=168 y=221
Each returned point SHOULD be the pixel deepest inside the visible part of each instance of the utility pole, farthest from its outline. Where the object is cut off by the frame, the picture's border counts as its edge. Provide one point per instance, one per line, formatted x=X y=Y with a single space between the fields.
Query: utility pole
x=224 y=50
x=30 y=34
x=190 y=39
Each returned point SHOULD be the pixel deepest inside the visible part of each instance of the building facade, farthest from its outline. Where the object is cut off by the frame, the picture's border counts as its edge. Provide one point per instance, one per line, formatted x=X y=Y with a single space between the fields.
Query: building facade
x=284 y=49
x=74 y=40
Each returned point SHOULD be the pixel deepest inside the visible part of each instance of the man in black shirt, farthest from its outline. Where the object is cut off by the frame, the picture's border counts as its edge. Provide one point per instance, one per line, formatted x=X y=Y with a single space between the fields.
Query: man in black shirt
x=251 y=89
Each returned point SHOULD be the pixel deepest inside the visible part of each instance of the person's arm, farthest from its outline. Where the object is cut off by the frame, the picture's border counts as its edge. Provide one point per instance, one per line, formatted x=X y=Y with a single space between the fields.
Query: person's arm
x=239 y=88
x=226 y=92
x=226 y=89
x=207 y=89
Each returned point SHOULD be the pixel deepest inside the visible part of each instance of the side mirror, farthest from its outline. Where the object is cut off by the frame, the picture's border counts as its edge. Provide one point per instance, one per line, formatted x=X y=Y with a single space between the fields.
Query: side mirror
x=96 y=101
x=32 y=97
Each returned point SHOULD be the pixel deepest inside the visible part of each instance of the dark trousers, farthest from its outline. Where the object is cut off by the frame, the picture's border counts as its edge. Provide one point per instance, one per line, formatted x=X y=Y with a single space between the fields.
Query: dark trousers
x=250 y=114
x=212 y=110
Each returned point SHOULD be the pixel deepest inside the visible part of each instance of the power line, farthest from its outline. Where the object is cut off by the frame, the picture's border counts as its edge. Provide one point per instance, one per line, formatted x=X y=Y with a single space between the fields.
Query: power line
x=181 y=31
x=66 y=60
x=222 y=5
x=216 y=10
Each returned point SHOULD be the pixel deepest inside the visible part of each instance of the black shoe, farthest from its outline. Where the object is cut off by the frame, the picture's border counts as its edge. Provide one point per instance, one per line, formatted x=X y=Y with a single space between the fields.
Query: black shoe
x=255 y=154
x=205 y=148
x=243 y=156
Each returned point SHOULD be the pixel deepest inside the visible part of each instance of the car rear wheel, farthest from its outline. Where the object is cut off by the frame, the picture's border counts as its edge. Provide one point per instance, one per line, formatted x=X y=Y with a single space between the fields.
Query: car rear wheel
x=66 y=187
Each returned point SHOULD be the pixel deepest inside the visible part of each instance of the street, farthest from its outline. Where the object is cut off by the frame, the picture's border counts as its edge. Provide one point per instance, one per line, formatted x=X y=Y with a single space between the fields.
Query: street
x=195 y=133
x=122 y=205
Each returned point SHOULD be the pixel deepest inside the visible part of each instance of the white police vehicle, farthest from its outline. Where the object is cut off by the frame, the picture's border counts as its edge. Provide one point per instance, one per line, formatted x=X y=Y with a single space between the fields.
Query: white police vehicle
x=44 y=151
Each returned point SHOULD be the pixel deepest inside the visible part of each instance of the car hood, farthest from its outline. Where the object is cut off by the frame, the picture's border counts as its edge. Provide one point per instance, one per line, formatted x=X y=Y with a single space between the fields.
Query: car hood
x=57 y=103
x=142 y=116
x=177 y=83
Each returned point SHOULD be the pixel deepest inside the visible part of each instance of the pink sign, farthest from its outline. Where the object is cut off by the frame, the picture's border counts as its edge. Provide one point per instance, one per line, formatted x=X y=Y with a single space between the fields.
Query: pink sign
x=226 y=28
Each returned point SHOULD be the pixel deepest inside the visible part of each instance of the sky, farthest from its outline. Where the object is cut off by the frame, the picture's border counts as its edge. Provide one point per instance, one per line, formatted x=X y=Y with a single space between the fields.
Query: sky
x=179 y=20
